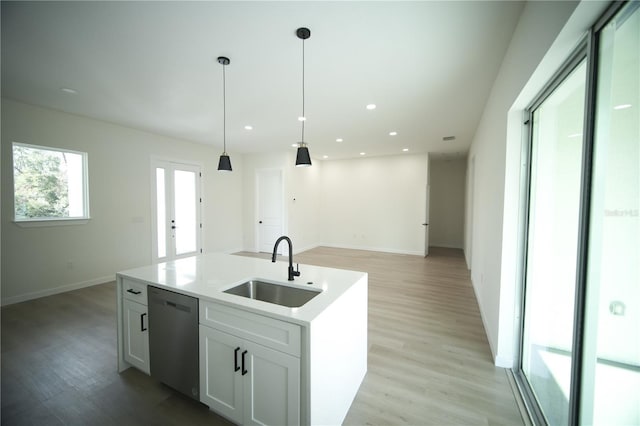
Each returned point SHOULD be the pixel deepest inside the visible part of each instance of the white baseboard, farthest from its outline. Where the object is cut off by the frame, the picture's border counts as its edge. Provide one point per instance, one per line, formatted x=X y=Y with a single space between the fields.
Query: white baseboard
x=484 y=324
x=503 y=362
x=51 y=291
x=451 y=246
x=380 y=249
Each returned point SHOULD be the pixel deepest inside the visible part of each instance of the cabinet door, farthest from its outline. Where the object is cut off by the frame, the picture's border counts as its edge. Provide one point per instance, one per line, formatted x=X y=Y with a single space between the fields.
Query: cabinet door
x=271 y=387
x=220 y=384
x=136 y=335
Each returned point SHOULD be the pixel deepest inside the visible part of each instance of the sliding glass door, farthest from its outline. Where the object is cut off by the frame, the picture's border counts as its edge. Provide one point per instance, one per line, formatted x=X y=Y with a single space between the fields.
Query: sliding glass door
x=580 y=330
x=554 y=212
x=610 y=391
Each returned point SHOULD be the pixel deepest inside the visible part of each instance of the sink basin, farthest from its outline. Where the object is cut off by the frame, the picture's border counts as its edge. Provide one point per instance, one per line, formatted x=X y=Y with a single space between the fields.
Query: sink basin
x=282 y=295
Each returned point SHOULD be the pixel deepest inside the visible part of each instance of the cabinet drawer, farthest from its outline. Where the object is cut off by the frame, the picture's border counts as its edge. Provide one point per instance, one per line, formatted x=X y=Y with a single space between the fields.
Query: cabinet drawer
x=273 y=333
x=134 y=290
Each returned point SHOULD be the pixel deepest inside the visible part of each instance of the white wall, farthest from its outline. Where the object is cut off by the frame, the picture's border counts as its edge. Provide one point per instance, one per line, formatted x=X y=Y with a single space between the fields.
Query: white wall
x=546 y=34
x=35 y=261
x=446 y=207
x=375 y=203
x=302 y=202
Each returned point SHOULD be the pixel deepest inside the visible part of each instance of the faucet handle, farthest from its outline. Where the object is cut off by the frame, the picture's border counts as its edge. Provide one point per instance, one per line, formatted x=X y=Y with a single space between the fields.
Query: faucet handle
x=297 y=271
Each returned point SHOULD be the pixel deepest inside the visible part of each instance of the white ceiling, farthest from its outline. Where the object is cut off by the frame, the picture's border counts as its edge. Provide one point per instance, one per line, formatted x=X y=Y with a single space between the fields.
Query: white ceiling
x=428 y=66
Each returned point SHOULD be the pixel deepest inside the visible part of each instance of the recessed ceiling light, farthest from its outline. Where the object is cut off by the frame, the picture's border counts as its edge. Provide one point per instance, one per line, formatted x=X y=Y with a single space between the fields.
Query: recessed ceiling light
x=393 y=133
x=405 y=149
x=362 y=153
x=371 y=106
x=622 y=106
x=325 y=156
x=69 y=90
x=247 y=127
x=339 y=140
x=302 y=118
x=449 y=138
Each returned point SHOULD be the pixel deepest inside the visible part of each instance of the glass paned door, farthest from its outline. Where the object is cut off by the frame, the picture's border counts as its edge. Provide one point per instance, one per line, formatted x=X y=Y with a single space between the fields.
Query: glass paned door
x=611 y=357
x=177 y=210
x=552 y=238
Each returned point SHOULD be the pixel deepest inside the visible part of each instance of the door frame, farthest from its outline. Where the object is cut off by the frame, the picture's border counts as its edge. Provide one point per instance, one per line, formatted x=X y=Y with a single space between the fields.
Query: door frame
x=163 y=162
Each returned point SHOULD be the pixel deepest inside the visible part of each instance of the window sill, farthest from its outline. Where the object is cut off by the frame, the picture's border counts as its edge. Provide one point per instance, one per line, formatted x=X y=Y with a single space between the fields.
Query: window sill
x=39 y=223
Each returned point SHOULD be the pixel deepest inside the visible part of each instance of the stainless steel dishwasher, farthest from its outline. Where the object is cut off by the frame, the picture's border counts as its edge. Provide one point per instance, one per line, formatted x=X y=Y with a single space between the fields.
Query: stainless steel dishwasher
x=173 y=340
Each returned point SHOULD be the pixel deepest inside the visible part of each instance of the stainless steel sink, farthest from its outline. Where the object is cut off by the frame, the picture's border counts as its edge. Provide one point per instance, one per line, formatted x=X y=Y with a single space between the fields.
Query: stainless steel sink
x=274 y=293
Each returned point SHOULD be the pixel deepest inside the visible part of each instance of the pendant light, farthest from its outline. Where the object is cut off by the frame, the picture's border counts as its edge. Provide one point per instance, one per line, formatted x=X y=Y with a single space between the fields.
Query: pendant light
x=224 y=165
x=302 y=157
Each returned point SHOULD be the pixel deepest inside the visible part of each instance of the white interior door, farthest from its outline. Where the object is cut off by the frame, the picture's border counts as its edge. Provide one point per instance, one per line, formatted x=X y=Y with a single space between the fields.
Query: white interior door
x=269 y=208
x=426 y=224
x=176 y=219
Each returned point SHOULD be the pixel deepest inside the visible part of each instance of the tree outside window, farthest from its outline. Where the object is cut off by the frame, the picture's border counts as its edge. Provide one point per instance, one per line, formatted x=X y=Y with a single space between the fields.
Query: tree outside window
x=48 y=183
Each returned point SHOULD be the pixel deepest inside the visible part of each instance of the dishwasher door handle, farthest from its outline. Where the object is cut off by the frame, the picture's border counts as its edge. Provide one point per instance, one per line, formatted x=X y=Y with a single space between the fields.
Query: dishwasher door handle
x=235 y=359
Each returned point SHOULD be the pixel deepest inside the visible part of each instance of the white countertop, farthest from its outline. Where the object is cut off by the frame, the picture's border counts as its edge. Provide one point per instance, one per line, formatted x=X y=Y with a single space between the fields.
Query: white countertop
x=207 y=276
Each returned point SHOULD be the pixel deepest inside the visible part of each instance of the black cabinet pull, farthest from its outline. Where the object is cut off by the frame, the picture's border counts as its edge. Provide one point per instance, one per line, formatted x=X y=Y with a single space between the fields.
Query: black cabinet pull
x=235 y=359
x=244 y=370
x=142 y=322
x=132 y=291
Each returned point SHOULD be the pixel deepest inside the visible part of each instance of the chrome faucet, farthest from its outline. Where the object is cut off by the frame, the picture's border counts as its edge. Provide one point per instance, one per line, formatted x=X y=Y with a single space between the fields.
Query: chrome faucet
x=292 y=273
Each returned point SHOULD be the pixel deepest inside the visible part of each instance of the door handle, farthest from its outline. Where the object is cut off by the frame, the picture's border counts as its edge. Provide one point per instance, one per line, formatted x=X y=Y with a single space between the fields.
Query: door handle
x=244 y=370
x=132 y=291
x=235 y=359
x=425 y=224
x=142 y=322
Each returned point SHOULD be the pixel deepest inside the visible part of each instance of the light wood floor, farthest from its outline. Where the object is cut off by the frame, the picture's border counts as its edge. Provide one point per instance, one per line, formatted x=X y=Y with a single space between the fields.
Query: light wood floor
x=429 y=360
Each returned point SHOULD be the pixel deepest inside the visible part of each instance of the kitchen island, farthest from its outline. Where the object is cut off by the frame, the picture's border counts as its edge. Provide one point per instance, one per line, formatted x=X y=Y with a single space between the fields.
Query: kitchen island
x=304 y=364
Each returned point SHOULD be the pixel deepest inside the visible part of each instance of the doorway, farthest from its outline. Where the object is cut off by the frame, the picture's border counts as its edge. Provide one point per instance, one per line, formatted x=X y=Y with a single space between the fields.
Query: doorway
x=176 y=211
x=269 y=209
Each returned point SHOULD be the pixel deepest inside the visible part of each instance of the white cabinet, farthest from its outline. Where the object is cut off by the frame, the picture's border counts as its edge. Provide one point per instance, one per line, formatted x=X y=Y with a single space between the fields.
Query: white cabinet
x=271 y=387
x=136 y=334
x=245 y=381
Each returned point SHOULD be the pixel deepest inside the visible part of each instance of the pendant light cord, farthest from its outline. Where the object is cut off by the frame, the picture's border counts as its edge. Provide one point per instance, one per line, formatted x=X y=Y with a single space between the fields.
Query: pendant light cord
x=303 y=116
x=224 y=110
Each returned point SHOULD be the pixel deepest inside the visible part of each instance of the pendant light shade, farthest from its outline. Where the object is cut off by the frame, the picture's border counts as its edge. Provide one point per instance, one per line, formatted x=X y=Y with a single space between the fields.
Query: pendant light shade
x=303 y=159
x=224 y=165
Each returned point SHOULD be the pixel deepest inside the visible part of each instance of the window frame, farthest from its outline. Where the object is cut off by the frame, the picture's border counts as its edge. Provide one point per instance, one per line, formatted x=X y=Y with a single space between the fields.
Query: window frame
x=52 y=221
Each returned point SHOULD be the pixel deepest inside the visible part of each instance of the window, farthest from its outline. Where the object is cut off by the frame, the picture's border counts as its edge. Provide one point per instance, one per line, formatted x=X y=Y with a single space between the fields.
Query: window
x=49 y=184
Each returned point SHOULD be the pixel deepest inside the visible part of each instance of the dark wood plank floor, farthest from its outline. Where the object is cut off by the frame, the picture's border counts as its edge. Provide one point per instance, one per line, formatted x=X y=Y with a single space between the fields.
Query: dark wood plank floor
x=429 y=361
x=59 y=368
